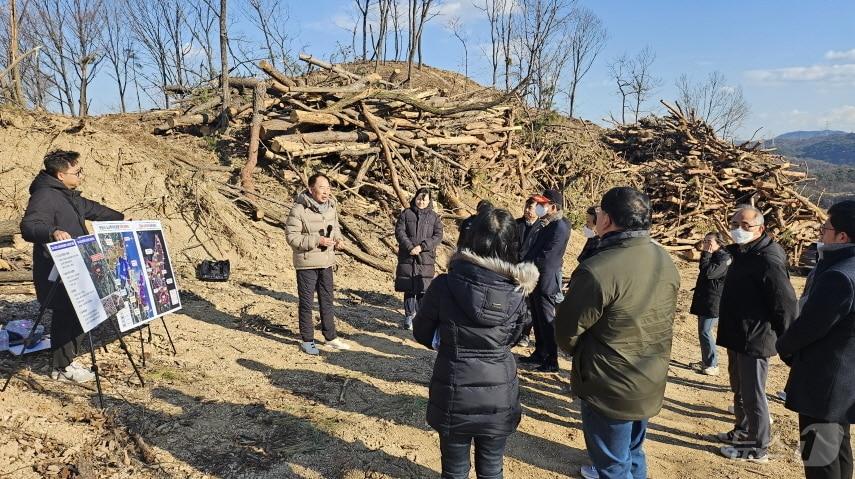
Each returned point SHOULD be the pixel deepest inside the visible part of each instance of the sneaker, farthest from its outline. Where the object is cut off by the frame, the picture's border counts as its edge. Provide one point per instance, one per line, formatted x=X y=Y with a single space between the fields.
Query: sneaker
x=731 y=409
x=73 y=372
x=731 y=437
x=782 y=395
x=697 y=367
x=337 y=343
x=407 y=324
x=547 y=368
x=309 y=347
x=750 y=454
x=588 y=471
x=524 y=342
x=710 y=371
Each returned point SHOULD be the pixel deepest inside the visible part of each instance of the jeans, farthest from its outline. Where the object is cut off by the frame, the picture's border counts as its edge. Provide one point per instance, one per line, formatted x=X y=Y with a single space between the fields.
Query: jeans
x=750 y=405
x=826 y=449
x=411 y=305
x=489 y=452
x=309 y=281
x=614 y=446
x=709 y=358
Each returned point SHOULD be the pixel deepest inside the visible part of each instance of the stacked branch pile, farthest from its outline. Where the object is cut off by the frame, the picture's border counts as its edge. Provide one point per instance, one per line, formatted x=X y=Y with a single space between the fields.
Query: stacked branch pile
x=695 y=180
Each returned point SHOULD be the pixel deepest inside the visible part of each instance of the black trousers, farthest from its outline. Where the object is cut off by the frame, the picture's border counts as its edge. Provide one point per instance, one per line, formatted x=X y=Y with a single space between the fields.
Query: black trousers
x=66 y=335
x=489 y=453
x=750 y=406
x=543 y=315
x=826 y=449
x=309 y=281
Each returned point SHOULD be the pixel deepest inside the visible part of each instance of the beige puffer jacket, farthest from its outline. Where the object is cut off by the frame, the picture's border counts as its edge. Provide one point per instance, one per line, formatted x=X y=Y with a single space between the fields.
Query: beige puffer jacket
x=303 y=228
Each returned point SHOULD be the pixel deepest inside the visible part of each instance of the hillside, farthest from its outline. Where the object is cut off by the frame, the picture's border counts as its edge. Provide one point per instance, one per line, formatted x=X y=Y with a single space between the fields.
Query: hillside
x=835 y=147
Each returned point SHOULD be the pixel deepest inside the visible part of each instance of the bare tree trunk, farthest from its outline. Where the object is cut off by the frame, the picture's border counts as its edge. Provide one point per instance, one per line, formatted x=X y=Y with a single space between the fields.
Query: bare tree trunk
x=17 y=95
x=224 y=63
x=258 y=97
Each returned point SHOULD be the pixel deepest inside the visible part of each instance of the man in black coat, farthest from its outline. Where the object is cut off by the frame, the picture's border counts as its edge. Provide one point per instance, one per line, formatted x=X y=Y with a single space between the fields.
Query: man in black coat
x=56 y=211
x=528 y=227
x=706 y=298
x=547 y=253
x=757 y=306
x=820 y=349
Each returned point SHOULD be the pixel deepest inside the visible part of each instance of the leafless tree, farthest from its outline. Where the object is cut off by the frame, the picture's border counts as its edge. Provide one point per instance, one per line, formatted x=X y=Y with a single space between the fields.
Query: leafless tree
x=455 y=25
x=506 y=34
x=543 y=30
x=587 y=39
x=14 y=22
x=175 y=23
x=634 y=80
x=419 y=13
x=396 y=26
x=48 y=22
x=720 y=105
x=147 y=25
x=270 y=17
x=203 y=17
x=364 y=7
x=384 y=8
x=494 y=11
x=224 y=62
x=118 y=49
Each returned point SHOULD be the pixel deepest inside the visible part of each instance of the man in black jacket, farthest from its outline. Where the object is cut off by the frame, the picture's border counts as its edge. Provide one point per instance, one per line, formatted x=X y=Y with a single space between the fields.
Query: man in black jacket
x=528 y=227
x=757 y=305
x=56 y=211
x=547 y=253
x=820 y=349
x=706 y=298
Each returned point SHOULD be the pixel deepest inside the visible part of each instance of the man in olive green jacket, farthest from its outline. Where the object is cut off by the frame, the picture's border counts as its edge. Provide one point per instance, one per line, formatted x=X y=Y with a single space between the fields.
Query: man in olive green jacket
x=313 y=233
x=617 y=322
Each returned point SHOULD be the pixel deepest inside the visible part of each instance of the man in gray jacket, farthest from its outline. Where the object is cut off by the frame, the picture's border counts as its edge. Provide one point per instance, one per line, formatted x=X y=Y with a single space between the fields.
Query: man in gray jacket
x=313 y=233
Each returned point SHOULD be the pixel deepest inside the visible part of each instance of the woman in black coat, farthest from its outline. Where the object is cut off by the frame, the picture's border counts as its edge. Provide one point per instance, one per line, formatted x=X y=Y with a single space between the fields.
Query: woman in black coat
x=715 y=261
x=419 y=233
x=472 y=316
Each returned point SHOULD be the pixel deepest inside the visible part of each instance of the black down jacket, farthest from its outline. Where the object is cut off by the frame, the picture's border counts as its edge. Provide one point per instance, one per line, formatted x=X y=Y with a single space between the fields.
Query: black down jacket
x=417 y=227
x=479 y=309
x=54 y=207
x=758 y=302
x=820 y=345
x=707 y=295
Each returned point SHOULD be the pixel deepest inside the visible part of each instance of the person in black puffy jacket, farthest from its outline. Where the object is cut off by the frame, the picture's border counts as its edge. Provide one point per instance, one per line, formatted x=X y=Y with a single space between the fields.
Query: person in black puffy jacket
x=419 y=233
x=706 y=298
x=56 y=211
x=472 y=316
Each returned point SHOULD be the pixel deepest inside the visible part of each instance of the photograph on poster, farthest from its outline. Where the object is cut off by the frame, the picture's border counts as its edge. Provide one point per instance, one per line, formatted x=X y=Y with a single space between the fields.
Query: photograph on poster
x=112 y=297
x=164 y=290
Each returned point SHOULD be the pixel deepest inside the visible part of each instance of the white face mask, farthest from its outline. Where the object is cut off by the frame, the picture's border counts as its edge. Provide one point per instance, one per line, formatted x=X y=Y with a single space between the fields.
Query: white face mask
x=588 y=232
x=540 y=210
x=740 y=236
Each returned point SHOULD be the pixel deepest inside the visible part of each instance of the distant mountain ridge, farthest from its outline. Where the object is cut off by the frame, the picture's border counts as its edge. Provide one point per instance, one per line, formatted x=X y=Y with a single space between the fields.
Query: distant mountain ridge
x=831 y=146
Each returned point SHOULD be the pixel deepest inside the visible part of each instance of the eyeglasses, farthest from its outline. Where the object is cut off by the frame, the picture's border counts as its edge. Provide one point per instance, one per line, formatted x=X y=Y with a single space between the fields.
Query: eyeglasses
x=823 y=229
x=744 y=225
x=76 y=173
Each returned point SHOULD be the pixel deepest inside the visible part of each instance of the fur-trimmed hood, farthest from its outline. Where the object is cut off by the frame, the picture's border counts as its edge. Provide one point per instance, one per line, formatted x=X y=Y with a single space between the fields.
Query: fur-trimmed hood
x=524 y=275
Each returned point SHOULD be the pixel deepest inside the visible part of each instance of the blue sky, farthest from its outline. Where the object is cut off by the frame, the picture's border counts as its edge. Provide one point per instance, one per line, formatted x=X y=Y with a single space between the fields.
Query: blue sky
x=795 y=60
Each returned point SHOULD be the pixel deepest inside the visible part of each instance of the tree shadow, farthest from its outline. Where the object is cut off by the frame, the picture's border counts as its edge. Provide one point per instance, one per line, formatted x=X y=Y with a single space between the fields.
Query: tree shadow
x=696 y=411
x=354 y=395
x=698 y=385
x=250 y=440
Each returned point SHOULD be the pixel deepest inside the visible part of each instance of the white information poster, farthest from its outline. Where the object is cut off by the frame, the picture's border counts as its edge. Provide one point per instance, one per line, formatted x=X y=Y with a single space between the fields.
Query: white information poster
x=78 y=282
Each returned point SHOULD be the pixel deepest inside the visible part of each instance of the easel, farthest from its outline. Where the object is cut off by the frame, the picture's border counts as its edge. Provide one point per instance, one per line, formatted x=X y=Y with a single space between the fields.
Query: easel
x=30 y=340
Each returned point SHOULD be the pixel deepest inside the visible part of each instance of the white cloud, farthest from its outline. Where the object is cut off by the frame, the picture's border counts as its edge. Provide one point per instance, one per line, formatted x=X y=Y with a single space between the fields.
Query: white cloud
x=847 y=55
x=464 y=10
x=842 y=118
x=843 y=73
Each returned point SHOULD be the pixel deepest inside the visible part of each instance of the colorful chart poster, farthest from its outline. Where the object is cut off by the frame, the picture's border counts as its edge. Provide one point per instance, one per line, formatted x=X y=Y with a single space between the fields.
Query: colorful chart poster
x=78 y=282
x=137 y=257
x=161 y=279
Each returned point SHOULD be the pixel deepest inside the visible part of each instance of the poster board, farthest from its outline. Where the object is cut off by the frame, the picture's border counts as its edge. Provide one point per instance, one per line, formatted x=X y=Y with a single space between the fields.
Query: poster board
x=124 y=269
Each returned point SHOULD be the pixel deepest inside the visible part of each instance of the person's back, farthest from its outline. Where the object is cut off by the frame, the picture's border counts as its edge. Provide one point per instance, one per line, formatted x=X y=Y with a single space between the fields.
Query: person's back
x=621 y=363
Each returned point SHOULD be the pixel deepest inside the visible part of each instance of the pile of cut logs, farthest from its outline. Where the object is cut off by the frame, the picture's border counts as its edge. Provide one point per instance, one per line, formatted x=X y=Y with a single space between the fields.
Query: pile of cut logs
x=695 y=180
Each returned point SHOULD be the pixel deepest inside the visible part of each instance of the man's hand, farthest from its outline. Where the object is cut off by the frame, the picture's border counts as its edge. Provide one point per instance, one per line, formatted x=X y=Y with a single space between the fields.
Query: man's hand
x=326 y=242
x=339 y=244
x=60 y=235
x=416 y=250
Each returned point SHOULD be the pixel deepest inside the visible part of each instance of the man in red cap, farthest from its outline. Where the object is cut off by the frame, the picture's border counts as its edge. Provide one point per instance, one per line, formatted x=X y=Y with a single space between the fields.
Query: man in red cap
x=547 y=253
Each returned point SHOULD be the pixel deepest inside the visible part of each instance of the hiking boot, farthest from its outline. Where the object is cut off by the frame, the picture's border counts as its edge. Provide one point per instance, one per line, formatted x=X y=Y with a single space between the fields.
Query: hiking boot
x=74 y=373
x=337 y=343
x=309 y=347
x=588 y=471
x=750 y=454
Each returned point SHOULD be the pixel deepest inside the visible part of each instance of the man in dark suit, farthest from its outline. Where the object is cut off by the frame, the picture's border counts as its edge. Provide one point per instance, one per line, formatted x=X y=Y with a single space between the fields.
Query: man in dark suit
x=547 y=253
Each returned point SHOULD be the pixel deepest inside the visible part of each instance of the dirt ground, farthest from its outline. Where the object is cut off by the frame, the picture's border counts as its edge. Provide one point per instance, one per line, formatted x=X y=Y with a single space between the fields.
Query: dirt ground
x=239 y=400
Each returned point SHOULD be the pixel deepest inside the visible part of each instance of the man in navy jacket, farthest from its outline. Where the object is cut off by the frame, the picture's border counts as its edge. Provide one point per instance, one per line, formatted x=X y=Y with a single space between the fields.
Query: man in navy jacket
x=820 y=349
x=547 y=253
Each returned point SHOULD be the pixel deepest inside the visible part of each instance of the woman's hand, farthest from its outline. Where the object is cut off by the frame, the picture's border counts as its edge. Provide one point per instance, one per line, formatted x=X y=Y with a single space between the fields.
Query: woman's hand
x=416 y=250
